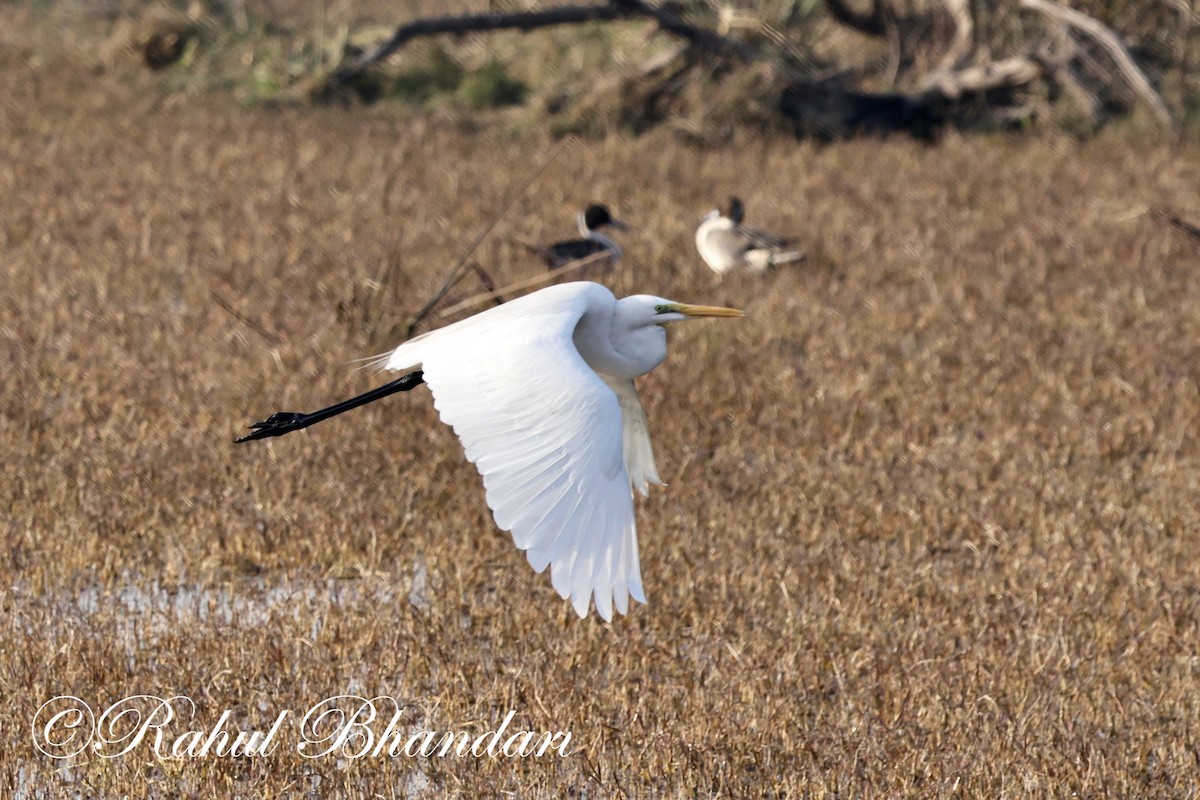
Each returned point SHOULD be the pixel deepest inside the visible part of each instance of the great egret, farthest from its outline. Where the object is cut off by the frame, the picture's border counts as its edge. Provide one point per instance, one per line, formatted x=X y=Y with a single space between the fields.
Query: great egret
x=726 y=245
x=540 y=392
x=590 y=221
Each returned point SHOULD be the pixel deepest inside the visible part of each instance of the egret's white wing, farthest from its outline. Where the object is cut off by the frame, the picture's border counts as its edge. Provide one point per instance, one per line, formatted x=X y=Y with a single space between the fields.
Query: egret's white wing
x=546 y=434
x=635 y=435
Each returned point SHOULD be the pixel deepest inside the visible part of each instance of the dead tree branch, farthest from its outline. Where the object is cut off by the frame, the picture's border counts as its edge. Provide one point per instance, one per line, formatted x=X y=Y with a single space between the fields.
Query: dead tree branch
x=952 y=79
x=532 y=20
x=1054 y=57
x=475 y=23
x=941 y=61
x=1107 y=39
x=1008 y=73
x=699 y=37
x=959 y=12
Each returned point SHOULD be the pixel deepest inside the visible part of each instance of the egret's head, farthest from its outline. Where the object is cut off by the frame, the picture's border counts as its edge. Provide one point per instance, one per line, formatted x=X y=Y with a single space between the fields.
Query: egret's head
x=638 y=334
x=649 y=310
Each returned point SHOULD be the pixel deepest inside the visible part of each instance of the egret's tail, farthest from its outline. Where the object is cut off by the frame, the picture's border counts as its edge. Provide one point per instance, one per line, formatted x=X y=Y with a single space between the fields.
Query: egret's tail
x=376 y=363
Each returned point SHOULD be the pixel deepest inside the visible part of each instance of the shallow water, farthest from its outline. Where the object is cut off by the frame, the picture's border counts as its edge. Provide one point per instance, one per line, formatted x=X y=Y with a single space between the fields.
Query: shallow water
x=140 y=610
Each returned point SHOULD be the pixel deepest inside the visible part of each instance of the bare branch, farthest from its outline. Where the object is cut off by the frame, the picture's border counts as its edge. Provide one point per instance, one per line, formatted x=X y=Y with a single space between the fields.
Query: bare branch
x=522 y=20
x=531 y=20
x=699 y=37
x=1054 y=58
x=964 y=30
x=1106 y=38
x=1008 y=73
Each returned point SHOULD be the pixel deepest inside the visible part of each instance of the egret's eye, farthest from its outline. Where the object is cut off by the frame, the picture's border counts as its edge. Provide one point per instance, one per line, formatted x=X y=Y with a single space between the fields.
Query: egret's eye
x=662 y=309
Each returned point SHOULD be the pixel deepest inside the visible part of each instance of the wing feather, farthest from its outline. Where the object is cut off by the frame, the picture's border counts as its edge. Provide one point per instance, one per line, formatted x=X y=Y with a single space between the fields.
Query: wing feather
x=556 y=444
x=761 y=239
x=620 y=582
x=554 y=547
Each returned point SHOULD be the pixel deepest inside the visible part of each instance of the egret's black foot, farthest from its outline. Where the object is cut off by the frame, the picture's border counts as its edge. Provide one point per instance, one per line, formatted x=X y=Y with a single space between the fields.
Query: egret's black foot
x=282 y=422
x=280 y=418
x=277 y=424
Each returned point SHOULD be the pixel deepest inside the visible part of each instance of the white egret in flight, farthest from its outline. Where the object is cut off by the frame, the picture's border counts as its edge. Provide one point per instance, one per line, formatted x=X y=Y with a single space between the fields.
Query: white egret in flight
x=540 y=392
x=726 y=245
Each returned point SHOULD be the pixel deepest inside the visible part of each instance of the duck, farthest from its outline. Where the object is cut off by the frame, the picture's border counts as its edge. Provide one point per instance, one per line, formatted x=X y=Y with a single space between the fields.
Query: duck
x=726 y=245
x=590 y=222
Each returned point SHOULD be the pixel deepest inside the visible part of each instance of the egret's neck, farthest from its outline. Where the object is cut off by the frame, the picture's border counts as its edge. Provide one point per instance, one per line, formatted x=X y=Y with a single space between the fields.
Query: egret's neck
x=614 y=344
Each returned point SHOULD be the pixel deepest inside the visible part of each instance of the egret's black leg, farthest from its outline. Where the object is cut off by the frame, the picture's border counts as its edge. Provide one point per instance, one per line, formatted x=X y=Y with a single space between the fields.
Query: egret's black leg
x=282 y=422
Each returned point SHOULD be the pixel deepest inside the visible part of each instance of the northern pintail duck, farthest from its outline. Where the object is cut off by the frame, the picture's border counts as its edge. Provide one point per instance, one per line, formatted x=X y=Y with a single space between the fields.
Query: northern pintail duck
x=590 y=221
x=726 y=245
